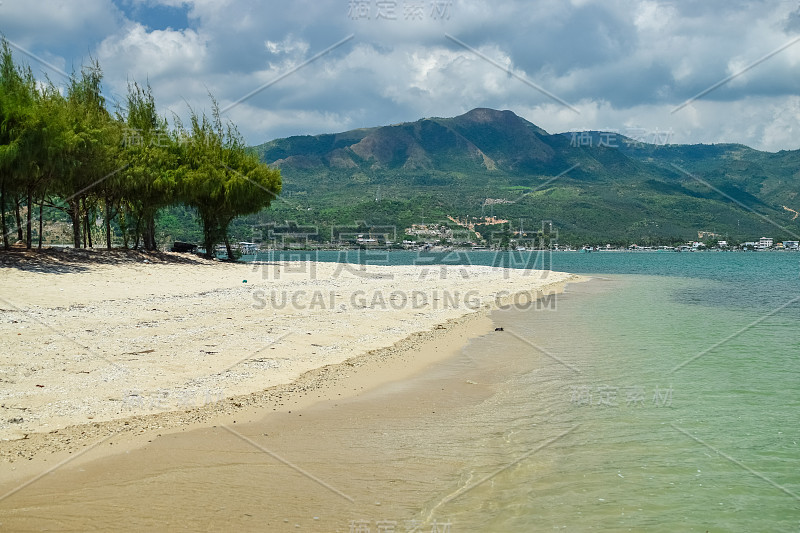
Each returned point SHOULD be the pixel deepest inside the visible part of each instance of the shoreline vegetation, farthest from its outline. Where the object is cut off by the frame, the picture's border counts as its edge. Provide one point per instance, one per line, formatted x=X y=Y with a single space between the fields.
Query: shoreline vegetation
x=111 y=170
x=160 y=341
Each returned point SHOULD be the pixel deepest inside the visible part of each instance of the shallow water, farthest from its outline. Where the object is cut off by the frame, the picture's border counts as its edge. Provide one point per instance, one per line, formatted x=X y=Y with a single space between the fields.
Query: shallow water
x=630 y=422
x=663 y=399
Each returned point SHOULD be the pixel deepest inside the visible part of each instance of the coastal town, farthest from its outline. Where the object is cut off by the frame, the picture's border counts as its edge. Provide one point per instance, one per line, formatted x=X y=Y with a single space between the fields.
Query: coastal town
x=474 y=234
x=439 y=237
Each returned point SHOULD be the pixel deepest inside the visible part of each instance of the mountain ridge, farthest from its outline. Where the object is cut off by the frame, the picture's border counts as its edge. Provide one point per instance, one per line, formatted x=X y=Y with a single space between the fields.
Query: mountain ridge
x=452 y=166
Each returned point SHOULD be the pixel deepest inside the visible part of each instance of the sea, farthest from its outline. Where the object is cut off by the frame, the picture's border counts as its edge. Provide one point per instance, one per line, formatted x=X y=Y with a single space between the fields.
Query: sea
x=662 y=395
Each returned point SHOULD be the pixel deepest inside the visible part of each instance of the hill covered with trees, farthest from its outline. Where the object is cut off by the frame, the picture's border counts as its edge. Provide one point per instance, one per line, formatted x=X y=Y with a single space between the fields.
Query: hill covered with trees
x=488 y=162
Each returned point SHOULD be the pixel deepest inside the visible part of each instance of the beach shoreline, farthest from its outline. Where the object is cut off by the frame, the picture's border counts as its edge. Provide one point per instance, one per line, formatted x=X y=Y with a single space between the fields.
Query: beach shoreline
x=360 y=367
x=332 y=451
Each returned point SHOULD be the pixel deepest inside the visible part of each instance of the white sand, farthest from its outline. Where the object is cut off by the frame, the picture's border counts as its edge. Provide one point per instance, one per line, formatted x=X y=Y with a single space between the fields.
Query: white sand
x=103 y=342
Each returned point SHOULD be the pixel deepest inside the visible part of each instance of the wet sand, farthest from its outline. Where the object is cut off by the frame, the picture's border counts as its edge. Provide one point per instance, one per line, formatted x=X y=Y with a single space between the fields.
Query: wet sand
x=205 y=466
x=352 y=451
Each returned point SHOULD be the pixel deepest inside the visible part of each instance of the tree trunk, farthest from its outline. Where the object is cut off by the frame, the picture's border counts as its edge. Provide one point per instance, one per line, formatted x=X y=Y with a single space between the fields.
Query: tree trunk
x=123 y=226
x=150 y=232
x=74 y=213
x=3 y=212
x=41 y=221
x=88 y=236
x=138 y=232
x=208 y=237
x=228 y=247
x=29 y=220
x=19 y=218
x=108 y=224
x=209 y=244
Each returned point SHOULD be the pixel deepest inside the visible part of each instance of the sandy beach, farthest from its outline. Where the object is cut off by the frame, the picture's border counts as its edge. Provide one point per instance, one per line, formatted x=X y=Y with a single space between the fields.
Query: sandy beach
x=132 y=343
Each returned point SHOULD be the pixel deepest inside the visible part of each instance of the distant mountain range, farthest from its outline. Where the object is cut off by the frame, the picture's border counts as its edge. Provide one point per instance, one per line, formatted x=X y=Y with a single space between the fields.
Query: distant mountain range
x=596 y=187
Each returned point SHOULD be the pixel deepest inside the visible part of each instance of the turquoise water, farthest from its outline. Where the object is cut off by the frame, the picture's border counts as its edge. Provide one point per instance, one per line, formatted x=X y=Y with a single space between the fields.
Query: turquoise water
x=710 y=265
x=662 y=396
x=712 y=445
x=755 y=281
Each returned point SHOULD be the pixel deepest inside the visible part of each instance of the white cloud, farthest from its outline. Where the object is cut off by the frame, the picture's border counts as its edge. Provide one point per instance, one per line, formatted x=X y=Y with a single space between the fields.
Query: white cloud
x=54 y=23
x=621 y=62
x=153 y=53
x=261 y=121
x=290 y=45
x=764 y=123
x=652 y=16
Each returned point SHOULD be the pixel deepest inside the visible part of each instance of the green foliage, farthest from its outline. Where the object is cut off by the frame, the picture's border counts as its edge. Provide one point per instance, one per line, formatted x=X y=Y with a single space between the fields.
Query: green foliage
x=221 y=179
x=15 y=95
x=67 y=151
x=432 y=168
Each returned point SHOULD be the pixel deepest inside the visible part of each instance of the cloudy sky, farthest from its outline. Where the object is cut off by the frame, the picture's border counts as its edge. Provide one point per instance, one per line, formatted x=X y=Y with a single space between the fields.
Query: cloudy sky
x=334 y=65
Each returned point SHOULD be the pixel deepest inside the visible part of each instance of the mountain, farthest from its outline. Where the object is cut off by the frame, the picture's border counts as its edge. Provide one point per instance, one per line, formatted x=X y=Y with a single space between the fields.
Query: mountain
x=489 y=162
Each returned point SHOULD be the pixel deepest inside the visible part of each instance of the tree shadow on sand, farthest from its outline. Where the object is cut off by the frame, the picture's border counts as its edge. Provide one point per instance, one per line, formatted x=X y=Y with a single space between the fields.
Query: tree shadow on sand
x=71 y=260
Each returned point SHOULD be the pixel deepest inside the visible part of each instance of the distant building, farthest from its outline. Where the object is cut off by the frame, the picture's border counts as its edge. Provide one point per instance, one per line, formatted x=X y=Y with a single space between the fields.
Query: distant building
x=722 y=244
x=248 y=248
x=791 y=245
x=438 y=231
x=366 y=240
x=765 y=242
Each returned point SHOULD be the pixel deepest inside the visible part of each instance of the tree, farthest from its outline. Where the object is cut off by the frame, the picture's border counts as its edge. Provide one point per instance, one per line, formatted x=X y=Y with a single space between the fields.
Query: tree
x=14 y=105
x=8 y=152
x=151 y=160
x=65 y=147
x=251 y=186
x=45 y=143
x=221 y=179
x=92 y=156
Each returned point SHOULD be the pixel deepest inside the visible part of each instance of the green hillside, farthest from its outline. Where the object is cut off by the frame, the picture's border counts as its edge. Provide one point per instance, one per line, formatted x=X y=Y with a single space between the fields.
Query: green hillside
x=433 y=168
